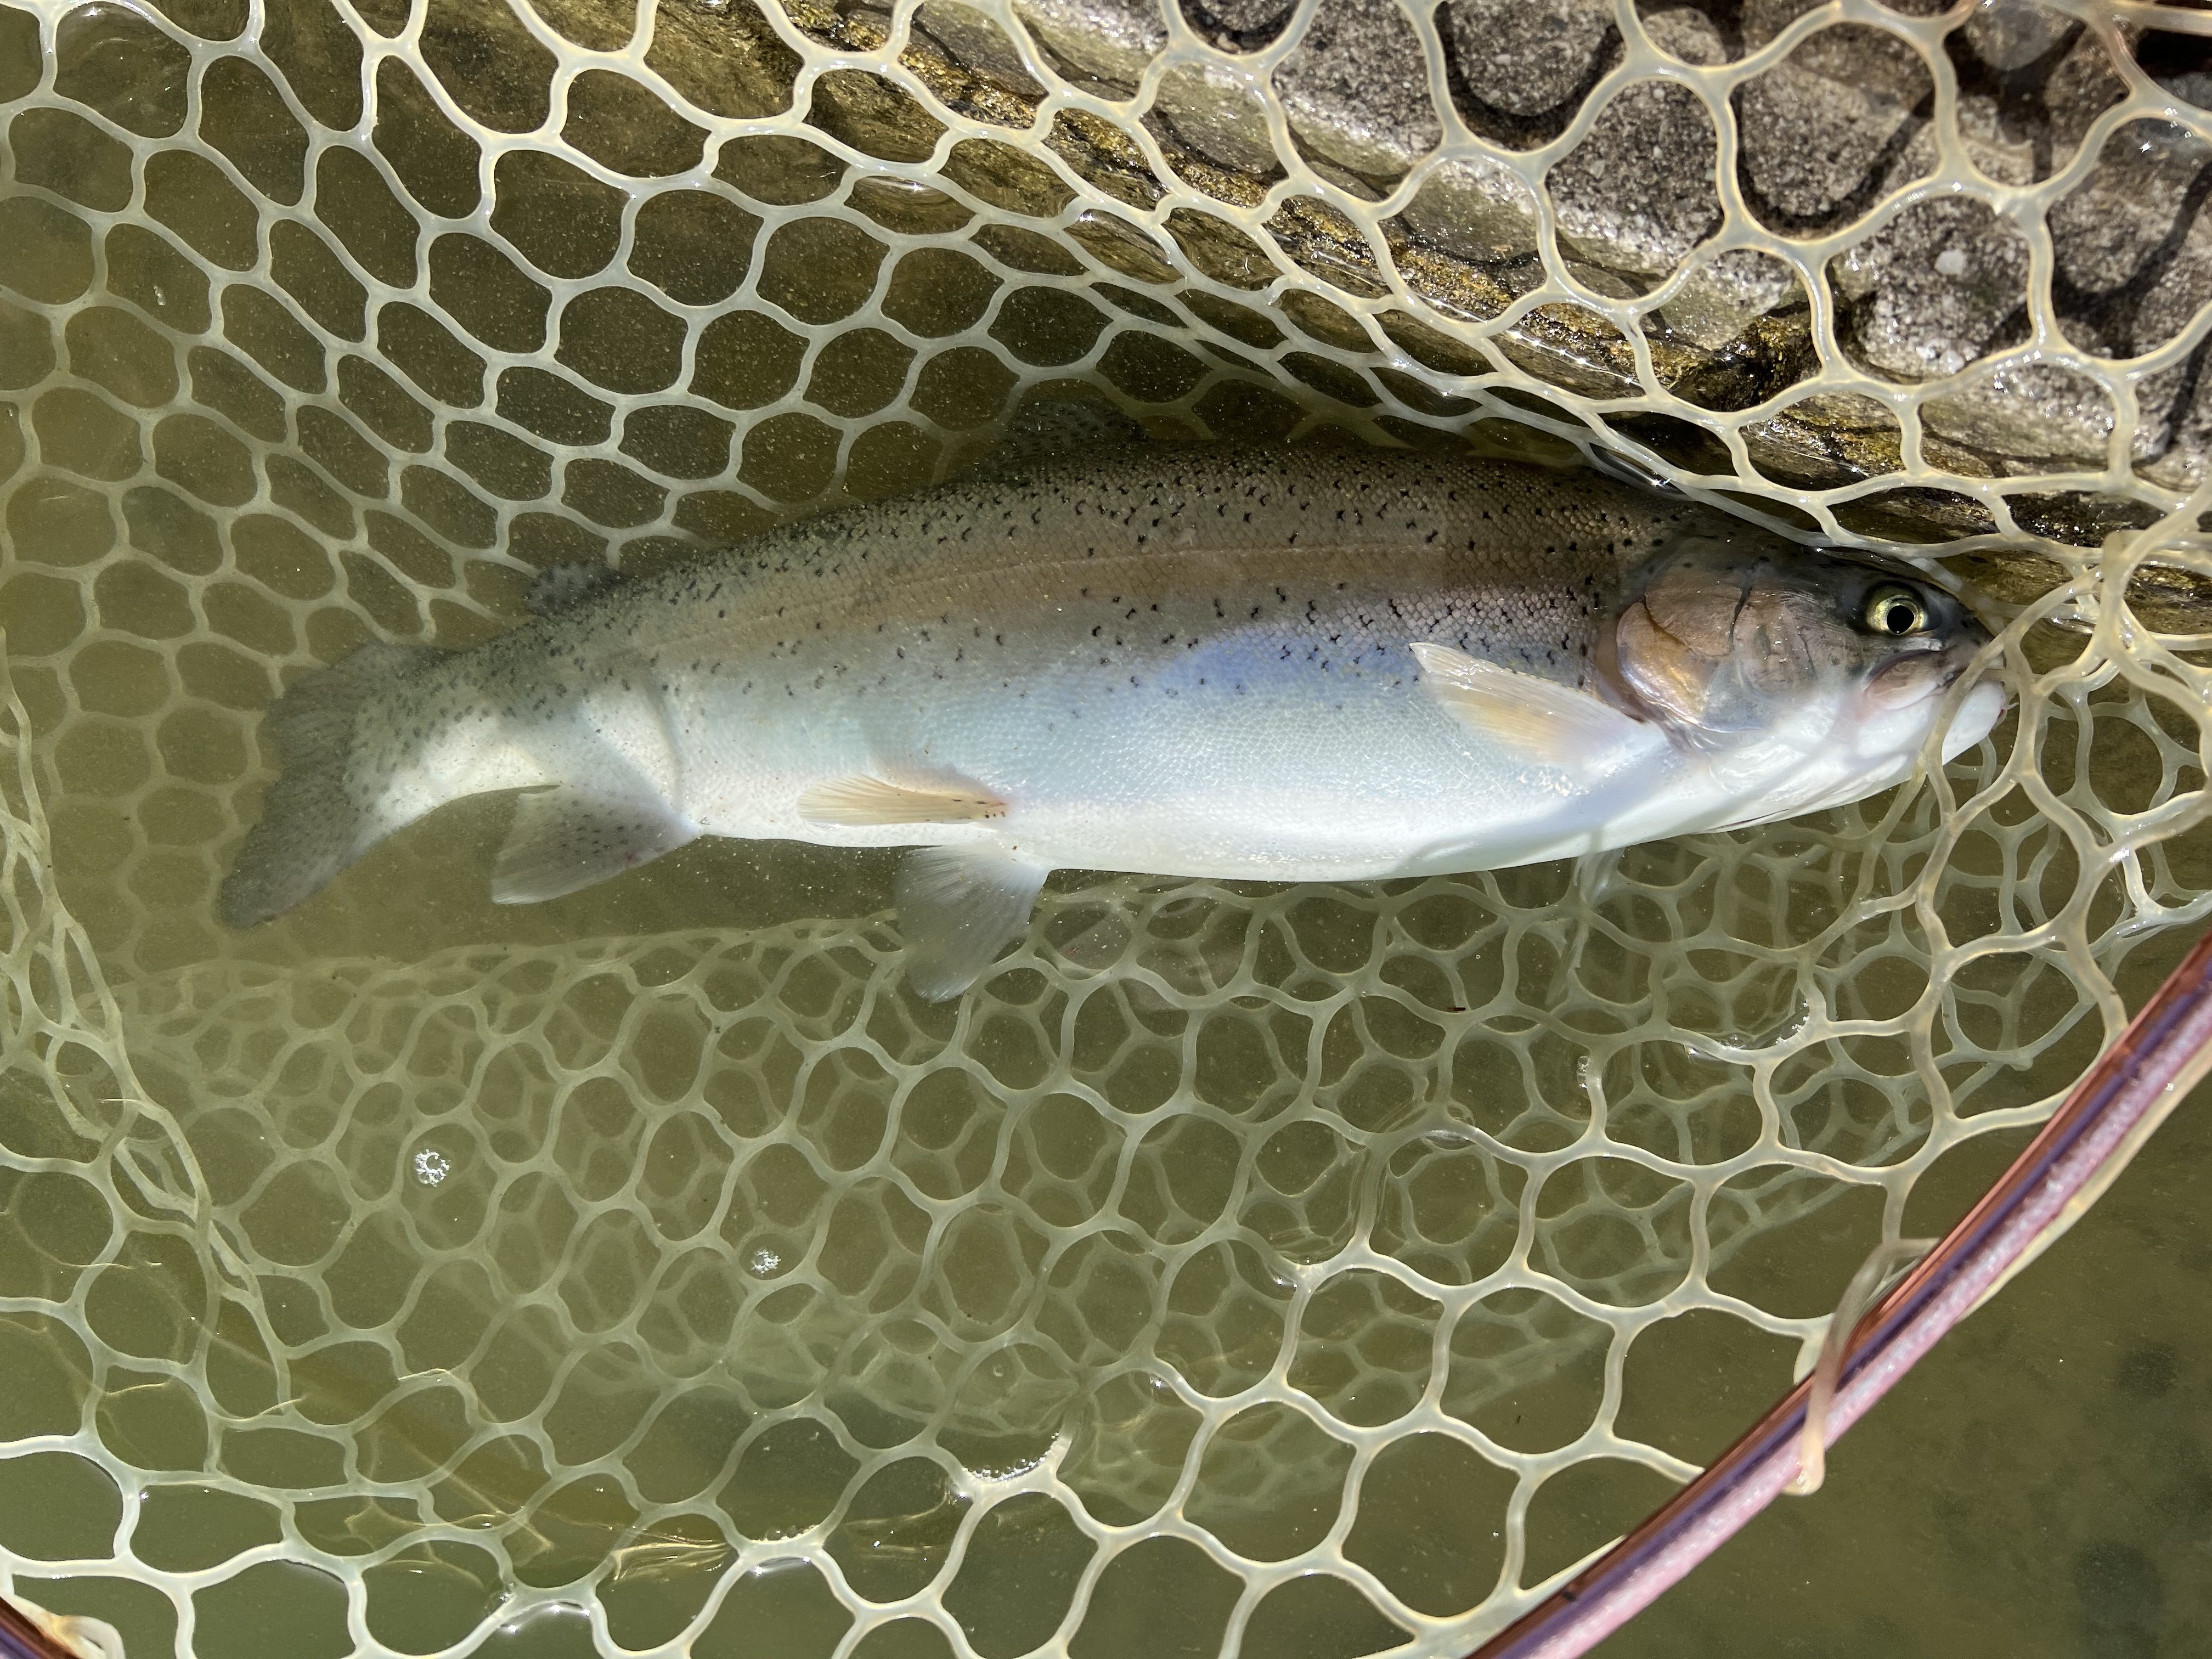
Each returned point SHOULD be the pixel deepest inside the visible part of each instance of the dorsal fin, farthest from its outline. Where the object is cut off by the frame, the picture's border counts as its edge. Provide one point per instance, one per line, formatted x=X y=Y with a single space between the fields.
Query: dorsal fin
x=561 y=587
x=1051 y=429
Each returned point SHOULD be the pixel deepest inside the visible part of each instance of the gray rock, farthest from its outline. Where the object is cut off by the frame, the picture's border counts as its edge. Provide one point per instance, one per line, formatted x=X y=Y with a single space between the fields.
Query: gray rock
x=970 y=38
x=1824 y=136
x=1723 y=293
x=1685 y=32
x=2174 y=433
x=2000 y=151
x=1762 y=20
x=1219 y=114
x=2132 y=242
x=1929 y=292
x=1637 y=194
x=1525 y=57
x=2133 y=247
x=1355 y=90
x=2024 y=416
x=1238 y=25
x=1113 y=40
x=2176 y=62
x=1474 y=208
x=2083 y=85
x=2010 y=34
x=1817 y=127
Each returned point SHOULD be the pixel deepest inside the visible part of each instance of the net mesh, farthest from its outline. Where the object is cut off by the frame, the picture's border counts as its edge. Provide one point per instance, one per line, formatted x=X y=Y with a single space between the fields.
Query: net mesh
x=1308 y=1271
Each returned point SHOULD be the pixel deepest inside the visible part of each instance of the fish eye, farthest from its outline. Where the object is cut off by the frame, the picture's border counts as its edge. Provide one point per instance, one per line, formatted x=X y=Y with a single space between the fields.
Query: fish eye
x=1895 y=610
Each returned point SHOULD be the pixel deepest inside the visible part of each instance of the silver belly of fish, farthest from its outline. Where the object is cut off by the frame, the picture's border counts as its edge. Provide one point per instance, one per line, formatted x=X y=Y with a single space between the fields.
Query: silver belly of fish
x=1299 y=665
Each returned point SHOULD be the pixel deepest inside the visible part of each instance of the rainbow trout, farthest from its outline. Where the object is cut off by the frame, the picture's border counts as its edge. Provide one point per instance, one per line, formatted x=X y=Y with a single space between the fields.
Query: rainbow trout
x=1283 y=664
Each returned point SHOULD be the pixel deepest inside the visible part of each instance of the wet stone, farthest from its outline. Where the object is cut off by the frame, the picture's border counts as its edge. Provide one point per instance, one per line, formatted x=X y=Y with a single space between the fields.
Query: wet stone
x=1216 y=111
x=2177 y=63
x=1692 y=35
x=1823 y=131
x=1940 y=284
x=972 y=39
x=1110 y=42
x=1916 y=514
x=875 y=115
x=1725 y=293
x=2133 y=241
x=1520 y=66
x=1237 y=25
x=1355 y=91
x=1637 y=194
x=2031 y=80
x=2081 y=517
x=1474 y=208
x=2028 y=414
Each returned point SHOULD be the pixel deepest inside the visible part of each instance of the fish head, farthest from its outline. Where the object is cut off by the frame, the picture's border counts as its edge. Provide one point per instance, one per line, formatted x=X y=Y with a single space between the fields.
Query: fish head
x=1734 y=643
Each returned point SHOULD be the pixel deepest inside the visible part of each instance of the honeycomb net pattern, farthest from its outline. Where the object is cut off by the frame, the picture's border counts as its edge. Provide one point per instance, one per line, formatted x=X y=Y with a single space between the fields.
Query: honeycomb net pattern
x=1313 y=1270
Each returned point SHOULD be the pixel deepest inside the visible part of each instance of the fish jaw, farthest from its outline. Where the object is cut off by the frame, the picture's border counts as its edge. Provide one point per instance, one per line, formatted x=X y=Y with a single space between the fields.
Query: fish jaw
x=1833 y=756
x=1978 y=713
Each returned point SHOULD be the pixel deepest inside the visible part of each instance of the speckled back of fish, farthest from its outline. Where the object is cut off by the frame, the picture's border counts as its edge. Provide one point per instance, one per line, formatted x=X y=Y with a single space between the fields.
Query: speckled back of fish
x=1540 y=549
x=1325 y=664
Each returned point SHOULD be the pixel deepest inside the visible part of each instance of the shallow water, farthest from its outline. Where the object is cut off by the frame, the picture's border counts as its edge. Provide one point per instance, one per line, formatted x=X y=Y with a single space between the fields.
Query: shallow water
x=2041 y=1484
x=372 y=1065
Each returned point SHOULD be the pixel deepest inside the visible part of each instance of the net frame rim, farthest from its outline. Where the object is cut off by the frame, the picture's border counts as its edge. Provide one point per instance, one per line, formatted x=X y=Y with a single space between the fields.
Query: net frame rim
x=2107 y=1115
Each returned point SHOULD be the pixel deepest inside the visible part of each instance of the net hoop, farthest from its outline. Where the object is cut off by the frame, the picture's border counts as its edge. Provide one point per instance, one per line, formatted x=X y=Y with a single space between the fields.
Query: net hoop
x=2164 y=1051
x=20 y=1638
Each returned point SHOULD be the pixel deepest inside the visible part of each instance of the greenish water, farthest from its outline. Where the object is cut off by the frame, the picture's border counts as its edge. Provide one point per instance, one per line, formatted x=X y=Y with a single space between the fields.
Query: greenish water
x=695 y=1158
x=2039 y=1487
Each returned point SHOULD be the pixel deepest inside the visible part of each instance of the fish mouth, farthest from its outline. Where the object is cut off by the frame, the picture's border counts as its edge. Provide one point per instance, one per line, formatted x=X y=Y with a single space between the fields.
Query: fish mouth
x=1964 y=652
x=1976 y=716
x=1924 y=676
x=1974 y=712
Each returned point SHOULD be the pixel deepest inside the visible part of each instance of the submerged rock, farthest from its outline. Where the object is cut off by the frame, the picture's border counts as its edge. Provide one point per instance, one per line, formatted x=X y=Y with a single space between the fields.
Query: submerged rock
x=1925 y=289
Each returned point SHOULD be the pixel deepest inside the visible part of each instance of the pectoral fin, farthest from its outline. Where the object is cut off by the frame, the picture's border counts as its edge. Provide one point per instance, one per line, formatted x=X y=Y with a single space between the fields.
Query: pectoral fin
x=959 y=907
x=866 y=800
x=565 y=839
x=1549 y=724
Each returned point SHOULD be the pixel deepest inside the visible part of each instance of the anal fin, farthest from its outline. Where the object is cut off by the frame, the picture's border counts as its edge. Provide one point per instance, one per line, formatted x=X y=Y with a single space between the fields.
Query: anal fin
x=1549 y=724
x=958 y=908
x=563 y=840
x=866 y=800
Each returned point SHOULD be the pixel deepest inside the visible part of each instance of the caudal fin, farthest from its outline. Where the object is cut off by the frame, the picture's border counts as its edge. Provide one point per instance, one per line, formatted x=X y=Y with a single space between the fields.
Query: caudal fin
x=313 y=819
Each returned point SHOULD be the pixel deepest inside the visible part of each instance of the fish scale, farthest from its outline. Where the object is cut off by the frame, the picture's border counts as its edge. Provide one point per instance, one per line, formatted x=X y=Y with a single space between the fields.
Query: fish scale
x=1284 y=664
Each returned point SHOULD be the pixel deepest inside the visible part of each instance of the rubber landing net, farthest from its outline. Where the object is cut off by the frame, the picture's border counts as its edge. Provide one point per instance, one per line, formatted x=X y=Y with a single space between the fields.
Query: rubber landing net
x=647 y=1272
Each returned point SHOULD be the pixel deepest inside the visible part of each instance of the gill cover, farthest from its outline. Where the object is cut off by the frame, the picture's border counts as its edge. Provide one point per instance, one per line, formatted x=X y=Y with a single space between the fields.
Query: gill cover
x=1723 y=640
